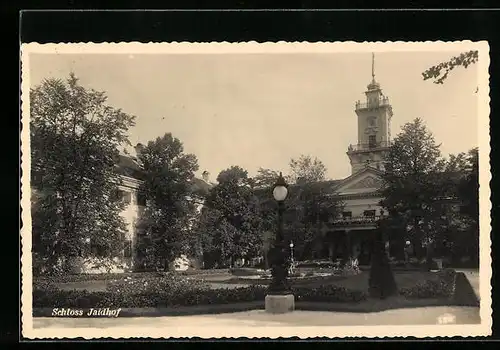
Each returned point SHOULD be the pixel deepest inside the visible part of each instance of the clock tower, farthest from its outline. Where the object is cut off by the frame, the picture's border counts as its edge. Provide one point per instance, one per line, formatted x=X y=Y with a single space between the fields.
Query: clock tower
x=374 y=128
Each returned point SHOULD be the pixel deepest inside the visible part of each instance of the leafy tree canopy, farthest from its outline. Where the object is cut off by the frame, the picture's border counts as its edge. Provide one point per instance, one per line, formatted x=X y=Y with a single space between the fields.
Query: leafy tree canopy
x=306 y=169
x=167 y=219
x=230 y=224
x=265 y=178
x=414 y=182
x=441 y=71
x=75 y=138
x=422 y=188
x=234 y=174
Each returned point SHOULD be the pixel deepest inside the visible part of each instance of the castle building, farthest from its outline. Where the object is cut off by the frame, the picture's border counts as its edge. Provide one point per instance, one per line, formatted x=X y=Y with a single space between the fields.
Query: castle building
x=360 y=192
x=132 y=177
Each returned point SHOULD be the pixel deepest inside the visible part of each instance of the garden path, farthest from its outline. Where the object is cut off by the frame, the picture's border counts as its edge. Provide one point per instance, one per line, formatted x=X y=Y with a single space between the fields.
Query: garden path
x=259 y=318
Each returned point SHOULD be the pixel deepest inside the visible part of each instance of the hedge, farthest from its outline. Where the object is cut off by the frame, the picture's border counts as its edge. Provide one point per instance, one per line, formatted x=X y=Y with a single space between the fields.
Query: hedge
x=85 y=299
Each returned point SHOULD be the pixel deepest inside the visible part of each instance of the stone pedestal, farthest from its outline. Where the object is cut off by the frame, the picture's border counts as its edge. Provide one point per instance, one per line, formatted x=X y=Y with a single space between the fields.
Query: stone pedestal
x=280 y=304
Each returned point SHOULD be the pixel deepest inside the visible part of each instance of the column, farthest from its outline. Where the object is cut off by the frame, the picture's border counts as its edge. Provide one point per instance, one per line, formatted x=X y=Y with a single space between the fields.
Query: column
x=331 y=248
x=348 y=245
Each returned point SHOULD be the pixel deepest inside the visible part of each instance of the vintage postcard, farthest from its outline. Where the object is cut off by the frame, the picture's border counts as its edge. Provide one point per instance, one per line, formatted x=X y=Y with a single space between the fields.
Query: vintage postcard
x=221 y=190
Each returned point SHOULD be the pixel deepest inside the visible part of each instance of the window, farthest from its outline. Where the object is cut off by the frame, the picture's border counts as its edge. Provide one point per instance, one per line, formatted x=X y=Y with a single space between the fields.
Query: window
x=347 y=215
x=372 y=141
x=141 y=199
x=369 y=213
x=127 y=249
x=126 y=197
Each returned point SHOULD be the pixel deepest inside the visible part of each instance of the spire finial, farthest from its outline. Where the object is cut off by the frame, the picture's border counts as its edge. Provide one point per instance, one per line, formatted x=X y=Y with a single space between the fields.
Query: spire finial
x=373 y=66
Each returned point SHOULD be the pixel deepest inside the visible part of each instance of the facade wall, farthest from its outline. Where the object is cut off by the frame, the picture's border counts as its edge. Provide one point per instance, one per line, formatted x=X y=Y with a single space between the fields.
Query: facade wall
x=358 y=206
x=130 y=213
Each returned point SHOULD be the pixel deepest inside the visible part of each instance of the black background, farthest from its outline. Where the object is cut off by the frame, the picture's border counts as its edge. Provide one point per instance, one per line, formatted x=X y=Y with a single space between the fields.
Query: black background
x=241 y=25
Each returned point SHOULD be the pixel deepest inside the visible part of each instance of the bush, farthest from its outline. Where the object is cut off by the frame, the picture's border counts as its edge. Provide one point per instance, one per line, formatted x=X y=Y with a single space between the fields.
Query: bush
x=318 y=264
x=329 y=293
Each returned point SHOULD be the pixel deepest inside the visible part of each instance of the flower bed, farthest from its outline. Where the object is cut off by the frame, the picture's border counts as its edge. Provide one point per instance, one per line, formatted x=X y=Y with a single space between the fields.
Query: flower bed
x=329 y=293
x=316 y=264
x=441 y=287
x=85 y=299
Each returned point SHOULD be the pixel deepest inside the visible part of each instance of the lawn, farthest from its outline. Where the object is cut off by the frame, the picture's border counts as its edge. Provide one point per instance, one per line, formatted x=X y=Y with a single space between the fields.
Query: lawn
x=174 y=290
x=404 y=279
x=216 y=280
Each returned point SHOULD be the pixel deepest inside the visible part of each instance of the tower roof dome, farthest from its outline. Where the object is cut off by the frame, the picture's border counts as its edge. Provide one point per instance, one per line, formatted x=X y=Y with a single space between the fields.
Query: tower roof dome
x=373 y=85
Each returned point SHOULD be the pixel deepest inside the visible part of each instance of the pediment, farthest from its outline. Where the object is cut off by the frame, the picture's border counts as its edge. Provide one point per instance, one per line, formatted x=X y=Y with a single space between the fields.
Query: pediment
x=364 y=181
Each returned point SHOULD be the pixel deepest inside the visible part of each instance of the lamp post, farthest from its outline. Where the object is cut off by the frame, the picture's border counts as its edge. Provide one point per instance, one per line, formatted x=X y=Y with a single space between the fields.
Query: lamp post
x=278 y=261
x=291 y=252
x=279 y=298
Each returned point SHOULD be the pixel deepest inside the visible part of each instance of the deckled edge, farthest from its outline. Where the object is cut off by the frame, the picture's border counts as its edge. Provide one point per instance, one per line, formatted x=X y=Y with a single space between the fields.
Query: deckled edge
x=25 y=195
x=225 y=47
x=260 y=47
x=485 y=178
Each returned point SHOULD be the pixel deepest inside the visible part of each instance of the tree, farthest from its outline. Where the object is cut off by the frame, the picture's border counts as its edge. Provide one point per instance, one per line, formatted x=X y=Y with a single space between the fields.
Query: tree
x=75 y=138
x=309 y=205
x=165 y=223
x=464 y=225
x=230 y=226
x=308 y=208
x=307 y=169
x=235 y=175
x=469 y=188
x=415 y=187
x=265 y=178
x=441 y=71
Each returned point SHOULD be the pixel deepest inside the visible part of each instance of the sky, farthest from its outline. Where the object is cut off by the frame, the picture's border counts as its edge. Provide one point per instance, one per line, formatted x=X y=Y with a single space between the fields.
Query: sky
x=261 y=110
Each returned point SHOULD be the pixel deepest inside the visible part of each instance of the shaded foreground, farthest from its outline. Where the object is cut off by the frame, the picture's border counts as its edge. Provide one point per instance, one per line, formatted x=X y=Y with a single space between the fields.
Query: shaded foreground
x=174 y=295
x=259 y=318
